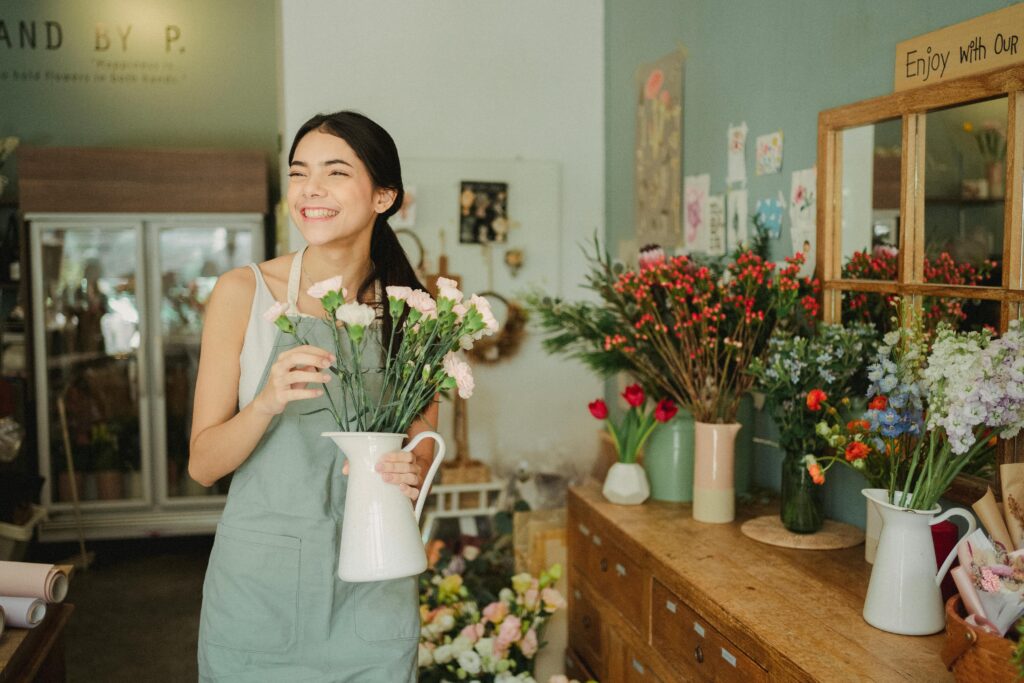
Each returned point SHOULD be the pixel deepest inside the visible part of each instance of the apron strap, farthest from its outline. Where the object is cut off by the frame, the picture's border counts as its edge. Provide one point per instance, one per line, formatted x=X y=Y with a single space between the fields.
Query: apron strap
x=293 y=282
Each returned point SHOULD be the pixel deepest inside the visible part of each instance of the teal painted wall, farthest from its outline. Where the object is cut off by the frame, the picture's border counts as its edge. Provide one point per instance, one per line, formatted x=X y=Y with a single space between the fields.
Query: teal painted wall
x=213 y=84
x=774 y=65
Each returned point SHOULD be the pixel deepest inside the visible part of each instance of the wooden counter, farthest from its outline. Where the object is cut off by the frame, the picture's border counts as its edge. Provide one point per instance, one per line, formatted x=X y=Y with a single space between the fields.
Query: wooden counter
x=656 y=596
x=36 y=654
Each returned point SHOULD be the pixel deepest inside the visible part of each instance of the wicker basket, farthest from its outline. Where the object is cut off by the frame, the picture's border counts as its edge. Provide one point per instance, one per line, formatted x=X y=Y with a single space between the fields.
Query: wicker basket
x=973 y=655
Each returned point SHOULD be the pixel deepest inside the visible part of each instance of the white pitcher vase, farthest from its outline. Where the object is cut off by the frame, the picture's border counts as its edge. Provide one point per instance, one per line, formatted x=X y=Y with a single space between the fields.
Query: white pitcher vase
x=380 y=536
x=903 y=594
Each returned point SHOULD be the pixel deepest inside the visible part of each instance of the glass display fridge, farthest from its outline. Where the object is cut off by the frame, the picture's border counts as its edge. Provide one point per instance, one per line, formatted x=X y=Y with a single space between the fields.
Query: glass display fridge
x=117 y=311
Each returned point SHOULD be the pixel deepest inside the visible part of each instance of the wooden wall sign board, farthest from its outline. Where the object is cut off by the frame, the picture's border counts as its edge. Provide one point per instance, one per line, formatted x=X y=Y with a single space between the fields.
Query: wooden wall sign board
x=988 y=42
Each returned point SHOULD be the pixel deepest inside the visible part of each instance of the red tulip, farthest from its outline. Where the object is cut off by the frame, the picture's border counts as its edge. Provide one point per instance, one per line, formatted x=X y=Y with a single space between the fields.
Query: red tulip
x=598 y=409
x=634 y=395
x=814 y=399
x=665 y=410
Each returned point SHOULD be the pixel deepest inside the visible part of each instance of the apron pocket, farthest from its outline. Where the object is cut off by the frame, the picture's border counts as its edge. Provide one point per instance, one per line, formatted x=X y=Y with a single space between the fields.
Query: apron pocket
x=387 y=610
x=251 y=591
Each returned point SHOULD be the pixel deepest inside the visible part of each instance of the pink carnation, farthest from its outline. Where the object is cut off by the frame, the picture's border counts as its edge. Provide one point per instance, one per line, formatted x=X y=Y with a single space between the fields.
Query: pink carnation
x=422 y=302
x=529 y=643
x=400 y=293
x=989 y=581
x=320 y=289
x=461 y=372
x=275 y=311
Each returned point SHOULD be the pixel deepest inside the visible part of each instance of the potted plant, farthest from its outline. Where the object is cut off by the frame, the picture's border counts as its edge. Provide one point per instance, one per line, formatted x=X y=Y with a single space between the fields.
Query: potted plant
x=793 y=368
x=626 y=482
x=106 y=461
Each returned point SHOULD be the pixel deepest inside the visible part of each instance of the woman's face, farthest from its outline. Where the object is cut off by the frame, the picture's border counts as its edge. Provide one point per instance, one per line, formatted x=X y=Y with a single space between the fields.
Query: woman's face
x=331 y=196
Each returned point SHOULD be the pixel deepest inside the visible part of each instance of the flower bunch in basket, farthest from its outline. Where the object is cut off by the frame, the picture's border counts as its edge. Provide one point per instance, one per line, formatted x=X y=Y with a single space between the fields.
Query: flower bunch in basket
x=936 y=405
x=386 y=383
x=463 y=638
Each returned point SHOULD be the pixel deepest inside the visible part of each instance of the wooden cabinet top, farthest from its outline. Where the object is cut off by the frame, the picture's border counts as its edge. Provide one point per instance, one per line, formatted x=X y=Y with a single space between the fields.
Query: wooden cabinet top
x=800 y=608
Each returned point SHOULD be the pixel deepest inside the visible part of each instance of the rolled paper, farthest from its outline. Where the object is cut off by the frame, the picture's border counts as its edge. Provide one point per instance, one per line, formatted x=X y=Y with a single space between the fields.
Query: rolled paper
x=31 y=580
x=968 y=593
x=1012 y=476
x=983 y=623
x=22 y=612
x=991 y=518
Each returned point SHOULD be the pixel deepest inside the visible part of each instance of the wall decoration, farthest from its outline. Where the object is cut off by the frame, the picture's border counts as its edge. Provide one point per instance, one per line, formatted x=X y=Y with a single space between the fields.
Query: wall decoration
x=696 y=189
x=768 y=216
x=802 y=211
x=659 y=144
x=736 y=218
x=406 y=216
x=716 y=225
x=736 y=156
x=769 y=153
x=483 y=212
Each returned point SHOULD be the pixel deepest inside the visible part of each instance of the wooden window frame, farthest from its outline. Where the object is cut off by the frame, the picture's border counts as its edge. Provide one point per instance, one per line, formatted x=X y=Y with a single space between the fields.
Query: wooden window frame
x=912 y=107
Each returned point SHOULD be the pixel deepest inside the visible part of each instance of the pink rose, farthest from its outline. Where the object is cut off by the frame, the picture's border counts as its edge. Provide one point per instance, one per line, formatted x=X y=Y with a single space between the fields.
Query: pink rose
x=529 y=643
x=461 y=372
x=320 y=289
x=275 y=311
x=495 y=612
x=473 y=632
x=553 y=600
x=531 y=599
x=510 y=630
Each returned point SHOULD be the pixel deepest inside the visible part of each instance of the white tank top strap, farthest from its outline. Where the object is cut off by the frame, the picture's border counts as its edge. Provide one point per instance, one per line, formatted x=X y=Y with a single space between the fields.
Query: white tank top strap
x=258 y=344
x=294 y=278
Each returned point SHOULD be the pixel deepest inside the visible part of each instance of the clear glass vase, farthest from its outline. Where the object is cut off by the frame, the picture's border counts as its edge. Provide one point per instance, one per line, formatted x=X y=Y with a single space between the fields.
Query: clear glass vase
x=802 y=509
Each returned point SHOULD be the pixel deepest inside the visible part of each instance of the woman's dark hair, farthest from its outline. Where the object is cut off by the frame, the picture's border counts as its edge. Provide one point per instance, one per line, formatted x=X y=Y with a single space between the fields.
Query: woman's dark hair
x=376 y=149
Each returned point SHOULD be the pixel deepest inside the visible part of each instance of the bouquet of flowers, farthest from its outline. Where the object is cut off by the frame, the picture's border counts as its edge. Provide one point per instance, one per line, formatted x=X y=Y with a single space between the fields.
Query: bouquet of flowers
x=990 y=579
x=794 y=365
x=931 y=411
x=991 y=140
x=882 y=264
x=496 y=642
x=419 y=357
x=637 y=424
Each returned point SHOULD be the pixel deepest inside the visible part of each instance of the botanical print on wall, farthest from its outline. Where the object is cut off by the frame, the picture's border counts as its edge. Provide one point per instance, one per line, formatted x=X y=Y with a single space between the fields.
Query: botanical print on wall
x=802 y=215
x=483 y=212
x=769 y=153
x=736 y=156
x=695 y=216
x=659 y=151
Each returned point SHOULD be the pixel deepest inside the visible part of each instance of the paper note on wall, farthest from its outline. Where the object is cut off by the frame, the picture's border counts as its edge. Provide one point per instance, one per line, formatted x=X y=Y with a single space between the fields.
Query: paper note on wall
x=716 y=225
x=695 y=215
x=736 y=159
x=802 y=216
x=769 y=153
x=768 y=216
x=736 y=218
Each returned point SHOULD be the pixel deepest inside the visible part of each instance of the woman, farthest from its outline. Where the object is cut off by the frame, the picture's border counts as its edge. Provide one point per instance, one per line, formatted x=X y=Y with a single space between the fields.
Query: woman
x=273 y=607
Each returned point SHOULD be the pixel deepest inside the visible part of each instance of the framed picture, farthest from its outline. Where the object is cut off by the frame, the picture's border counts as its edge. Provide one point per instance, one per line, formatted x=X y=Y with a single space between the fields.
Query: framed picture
x=483 y=212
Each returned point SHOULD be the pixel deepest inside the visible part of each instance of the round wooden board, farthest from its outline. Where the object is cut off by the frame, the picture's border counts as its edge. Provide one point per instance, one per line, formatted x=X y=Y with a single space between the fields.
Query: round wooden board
x=832 y=536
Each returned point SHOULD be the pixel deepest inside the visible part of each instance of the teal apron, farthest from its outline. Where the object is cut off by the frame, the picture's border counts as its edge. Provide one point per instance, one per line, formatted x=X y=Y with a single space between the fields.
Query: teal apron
x=274 y=608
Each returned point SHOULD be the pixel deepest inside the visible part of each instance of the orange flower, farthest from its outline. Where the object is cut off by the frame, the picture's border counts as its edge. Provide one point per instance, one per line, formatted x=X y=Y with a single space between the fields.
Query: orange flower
x=878 y=403
x=857 y=450
x=817 y=476
x=858 y=426
x=814 y=399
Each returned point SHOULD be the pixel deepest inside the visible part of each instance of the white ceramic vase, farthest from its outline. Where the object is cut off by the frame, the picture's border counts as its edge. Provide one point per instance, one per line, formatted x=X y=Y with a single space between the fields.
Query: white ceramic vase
x=872 y=530
x=903 y=594
x=380 y=536
x=626 y=484
x=714 y=483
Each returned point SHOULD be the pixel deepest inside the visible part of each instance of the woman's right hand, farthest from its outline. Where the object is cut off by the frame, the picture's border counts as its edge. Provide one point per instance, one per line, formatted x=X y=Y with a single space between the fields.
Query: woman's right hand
x=289 y=375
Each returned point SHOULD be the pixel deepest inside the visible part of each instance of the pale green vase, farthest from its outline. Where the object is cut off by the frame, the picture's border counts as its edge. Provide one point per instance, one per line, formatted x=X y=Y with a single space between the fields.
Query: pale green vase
x=668 y=459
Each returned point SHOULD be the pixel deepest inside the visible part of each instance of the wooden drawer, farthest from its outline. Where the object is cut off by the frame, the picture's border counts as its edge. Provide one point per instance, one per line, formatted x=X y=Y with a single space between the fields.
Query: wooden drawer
x=575 y=669
x=579 y=542
x=688 y=641
x=585 y=633
x=637 y=668
x=616 y=577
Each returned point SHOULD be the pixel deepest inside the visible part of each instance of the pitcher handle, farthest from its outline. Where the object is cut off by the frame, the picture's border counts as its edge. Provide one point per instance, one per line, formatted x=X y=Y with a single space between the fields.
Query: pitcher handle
x=438 y=458
x=971 y=526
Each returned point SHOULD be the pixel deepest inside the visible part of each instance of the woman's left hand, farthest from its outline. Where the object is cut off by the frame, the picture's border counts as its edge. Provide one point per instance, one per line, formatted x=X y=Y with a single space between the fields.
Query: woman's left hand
x=400 y=468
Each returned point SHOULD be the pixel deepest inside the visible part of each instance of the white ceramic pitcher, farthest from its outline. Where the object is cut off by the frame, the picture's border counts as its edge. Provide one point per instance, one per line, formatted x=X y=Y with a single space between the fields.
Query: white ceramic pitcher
x=380 y=536
x=904 y=595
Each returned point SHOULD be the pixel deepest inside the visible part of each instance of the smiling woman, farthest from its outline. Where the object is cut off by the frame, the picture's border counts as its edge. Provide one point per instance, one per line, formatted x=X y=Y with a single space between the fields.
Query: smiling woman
x=273 y=606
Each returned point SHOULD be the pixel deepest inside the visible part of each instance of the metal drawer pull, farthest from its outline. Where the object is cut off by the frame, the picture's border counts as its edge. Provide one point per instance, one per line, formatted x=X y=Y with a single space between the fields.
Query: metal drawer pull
x=604 y=564
x=586 y=621
x=670 y=606
x=699 y=629
x=597 y=539
x=584 y=530
x=698 y=654
x=619 y=569
x=728 y=656
x=576 y=593
x=638 y=666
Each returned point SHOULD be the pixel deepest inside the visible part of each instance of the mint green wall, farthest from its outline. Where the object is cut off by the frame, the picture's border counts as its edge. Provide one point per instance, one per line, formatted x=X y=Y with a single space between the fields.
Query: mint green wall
x=774 y=65
x=224 y=62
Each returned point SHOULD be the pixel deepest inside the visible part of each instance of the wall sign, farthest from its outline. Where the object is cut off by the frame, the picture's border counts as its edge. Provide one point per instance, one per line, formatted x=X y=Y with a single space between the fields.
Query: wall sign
x=984 y=43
